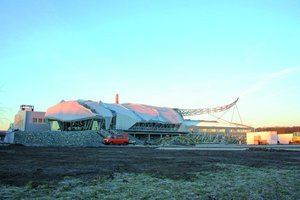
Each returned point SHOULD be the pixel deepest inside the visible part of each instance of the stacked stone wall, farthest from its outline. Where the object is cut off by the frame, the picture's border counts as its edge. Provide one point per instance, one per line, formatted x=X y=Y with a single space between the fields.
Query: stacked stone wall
x=58 y=138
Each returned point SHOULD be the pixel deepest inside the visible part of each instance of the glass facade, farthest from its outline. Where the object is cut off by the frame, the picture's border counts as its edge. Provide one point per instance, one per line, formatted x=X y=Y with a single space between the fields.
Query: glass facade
x=83 y=125
x=225 y=131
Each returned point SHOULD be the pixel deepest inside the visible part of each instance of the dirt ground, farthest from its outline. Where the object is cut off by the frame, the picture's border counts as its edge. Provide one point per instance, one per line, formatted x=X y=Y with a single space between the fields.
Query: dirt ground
x=19 y=164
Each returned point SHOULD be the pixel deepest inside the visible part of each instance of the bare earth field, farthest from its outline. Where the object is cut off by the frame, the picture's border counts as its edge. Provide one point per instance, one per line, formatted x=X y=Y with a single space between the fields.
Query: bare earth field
x=147 y=173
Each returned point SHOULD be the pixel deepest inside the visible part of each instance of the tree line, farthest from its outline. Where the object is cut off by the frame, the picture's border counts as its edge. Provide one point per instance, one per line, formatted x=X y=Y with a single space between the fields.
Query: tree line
x=279 y=129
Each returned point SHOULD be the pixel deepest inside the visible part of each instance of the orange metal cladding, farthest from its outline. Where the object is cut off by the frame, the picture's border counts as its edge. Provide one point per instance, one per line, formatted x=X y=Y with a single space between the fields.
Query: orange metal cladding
x=123 y=107
x=69 y=108
x=142 y=109
x=117 y=98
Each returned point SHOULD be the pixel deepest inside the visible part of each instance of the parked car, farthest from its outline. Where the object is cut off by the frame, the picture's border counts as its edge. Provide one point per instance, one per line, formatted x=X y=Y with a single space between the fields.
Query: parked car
x=116 y=139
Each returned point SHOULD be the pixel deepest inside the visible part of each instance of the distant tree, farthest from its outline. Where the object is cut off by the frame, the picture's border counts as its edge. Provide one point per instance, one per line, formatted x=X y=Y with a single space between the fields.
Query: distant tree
x=3 y=112
x=279 y=129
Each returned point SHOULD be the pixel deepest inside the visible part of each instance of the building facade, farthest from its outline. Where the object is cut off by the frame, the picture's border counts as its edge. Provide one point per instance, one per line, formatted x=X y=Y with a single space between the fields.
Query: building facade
x=221 y=129
x=91 y=115
x=135 y=118
x=29 y=120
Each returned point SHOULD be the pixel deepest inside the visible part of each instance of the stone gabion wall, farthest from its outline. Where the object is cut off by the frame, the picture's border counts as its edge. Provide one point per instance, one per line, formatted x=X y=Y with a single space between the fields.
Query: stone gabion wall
x=191 y=139
x=58 y=138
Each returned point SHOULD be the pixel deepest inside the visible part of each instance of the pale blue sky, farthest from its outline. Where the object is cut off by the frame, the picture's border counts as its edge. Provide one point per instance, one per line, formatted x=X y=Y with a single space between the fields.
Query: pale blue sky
x=187 y=54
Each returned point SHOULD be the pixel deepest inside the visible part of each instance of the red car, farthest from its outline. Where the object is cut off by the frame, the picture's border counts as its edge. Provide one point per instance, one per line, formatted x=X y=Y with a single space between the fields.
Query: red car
x=116 y=139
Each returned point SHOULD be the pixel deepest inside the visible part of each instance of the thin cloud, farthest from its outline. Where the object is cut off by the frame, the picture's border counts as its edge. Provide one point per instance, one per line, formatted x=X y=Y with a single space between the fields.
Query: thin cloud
x=286 y=71
x=266 y=79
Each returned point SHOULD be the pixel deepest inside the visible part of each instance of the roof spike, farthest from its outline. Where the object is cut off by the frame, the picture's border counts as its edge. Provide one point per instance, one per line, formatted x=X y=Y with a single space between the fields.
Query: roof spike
x=117 y=98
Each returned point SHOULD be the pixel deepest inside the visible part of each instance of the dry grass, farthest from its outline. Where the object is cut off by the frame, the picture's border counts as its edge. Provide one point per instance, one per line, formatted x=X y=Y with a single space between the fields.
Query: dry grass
x=225 y=182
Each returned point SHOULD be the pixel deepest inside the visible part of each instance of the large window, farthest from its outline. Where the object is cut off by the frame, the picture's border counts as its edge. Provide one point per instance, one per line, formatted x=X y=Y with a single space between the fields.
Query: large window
x=211 y=130
x=238 y=130
x=154 y=126
x=54 y=126
x=38 y=120
x=90 y=124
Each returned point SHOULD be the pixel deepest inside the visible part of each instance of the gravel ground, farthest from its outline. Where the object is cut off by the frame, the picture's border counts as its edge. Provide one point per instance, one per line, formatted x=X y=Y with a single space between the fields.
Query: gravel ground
x=20 y=164
x=118 y=172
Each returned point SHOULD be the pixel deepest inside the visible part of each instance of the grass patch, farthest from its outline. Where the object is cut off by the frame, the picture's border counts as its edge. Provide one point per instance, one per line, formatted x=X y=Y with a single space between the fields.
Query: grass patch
x=227 y=182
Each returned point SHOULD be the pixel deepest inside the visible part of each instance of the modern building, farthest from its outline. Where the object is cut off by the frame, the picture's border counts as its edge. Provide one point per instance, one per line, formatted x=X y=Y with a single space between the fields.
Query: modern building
x=134 y=119
x=217 y=128
x=29 y=120
x=264 y=137
x=91 y=115
x=285 y=138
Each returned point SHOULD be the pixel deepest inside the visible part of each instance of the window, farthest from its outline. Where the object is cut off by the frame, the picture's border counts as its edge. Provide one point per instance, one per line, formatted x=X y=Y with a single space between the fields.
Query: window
x=40 y=120
x=54 y=125
x=35 y=120
x=120 y=137
x=237 y=130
